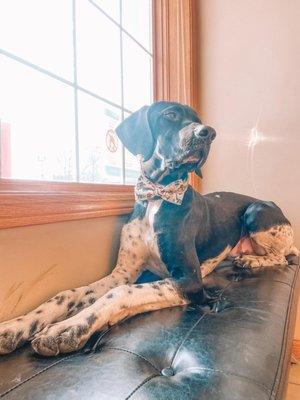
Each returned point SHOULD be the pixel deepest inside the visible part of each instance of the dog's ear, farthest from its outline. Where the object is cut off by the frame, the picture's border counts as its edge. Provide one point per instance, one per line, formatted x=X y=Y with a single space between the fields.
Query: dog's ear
x=135 y=133
x=199 y=166
x=199 y=172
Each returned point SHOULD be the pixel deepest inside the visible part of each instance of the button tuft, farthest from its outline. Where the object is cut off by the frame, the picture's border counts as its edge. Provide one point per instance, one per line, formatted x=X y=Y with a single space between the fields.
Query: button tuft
x=167 y=371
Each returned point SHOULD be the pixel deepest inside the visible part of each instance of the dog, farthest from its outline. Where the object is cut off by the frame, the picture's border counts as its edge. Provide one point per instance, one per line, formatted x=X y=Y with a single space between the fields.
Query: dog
x=175 y=232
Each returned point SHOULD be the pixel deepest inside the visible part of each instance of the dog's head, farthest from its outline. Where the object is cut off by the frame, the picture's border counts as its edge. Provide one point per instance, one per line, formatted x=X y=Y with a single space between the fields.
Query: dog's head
x=170 y=138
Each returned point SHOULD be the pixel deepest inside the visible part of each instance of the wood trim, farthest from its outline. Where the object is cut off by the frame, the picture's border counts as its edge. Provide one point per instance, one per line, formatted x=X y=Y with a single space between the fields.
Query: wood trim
x=22 y=185
x=296 y=349
x=176 y=54
x=25 y=203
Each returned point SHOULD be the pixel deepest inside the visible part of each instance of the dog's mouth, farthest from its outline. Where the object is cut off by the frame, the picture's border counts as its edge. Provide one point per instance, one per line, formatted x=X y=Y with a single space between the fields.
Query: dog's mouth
x=189 y=159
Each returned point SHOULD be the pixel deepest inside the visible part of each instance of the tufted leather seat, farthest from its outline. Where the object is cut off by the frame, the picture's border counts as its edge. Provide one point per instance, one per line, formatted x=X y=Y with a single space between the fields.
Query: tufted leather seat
x=240 y=349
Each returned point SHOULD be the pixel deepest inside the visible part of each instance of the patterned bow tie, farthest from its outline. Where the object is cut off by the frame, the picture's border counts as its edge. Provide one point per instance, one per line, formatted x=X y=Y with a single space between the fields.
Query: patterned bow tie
x=146 y=190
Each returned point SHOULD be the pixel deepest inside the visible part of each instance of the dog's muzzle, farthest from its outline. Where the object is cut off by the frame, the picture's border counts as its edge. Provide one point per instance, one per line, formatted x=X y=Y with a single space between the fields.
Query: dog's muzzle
x=193 y=146
x=204 y=132
x=195 y=134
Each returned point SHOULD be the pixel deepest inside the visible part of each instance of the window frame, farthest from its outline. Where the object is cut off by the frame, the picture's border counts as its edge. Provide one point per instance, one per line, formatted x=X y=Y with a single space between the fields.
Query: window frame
x=175 y=46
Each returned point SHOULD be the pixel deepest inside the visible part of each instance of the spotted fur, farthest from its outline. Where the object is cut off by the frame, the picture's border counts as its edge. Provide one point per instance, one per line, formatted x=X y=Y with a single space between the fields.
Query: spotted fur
x=137 y=245
x=209 y=265
x=270 y=247
x=72 y=334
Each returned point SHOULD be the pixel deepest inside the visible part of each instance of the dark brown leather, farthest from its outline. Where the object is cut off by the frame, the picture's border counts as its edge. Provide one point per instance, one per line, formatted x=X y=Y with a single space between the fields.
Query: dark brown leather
x=239 y=350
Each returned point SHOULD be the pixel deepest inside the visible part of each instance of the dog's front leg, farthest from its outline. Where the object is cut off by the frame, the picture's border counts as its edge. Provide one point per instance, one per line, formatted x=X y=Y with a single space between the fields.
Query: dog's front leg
x=119 y=303
x=132 y=255
x=182 y=262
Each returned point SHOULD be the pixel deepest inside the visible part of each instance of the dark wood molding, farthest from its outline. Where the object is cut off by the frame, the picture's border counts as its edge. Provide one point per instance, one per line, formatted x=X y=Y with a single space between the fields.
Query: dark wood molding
x=23 y=185
x=25 y=203
x=176 y=54
x=296 y=349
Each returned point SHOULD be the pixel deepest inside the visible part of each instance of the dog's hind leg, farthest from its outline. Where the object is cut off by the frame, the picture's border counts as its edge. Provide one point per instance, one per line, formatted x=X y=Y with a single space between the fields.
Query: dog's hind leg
x=271 y=247
x=209 y=265
x=271 y=236
x=132 y=255
x=121 y=302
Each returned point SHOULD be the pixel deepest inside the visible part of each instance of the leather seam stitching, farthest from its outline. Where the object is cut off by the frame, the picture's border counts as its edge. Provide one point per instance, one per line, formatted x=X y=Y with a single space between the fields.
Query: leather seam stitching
x=230 y=374
x=140 y=385
x=249 y=309
x=135 y=354
x=194 y=326
x=186 y=336
x=284 y=338
x=36 y=374
x=97 y=345
x=264 y=279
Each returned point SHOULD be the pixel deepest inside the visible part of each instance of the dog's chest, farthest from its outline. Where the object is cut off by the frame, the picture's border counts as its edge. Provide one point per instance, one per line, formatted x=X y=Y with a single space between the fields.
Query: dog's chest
x=155 y=263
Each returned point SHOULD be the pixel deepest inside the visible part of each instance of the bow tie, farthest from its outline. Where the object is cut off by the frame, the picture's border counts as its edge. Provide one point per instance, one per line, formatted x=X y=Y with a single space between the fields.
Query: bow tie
x=146 y=190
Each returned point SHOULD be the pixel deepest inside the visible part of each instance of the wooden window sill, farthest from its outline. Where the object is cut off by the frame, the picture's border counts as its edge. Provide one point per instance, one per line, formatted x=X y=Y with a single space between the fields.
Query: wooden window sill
x=24 y=203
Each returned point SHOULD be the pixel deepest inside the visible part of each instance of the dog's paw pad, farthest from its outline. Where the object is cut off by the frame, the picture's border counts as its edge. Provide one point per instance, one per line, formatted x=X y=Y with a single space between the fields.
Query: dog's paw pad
x=247 y=262
x=45 y=345
x=56 y=339
x=12 y=336
x=73 y=338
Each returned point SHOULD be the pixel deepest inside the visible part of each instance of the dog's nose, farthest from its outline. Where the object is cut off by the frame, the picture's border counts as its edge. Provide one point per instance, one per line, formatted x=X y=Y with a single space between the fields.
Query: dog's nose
x=205 y=132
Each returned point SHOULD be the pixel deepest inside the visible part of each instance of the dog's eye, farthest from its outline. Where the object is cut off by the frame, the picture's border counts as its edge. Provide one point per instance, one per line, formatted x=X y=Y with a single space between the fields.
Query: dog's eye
x=171 y=115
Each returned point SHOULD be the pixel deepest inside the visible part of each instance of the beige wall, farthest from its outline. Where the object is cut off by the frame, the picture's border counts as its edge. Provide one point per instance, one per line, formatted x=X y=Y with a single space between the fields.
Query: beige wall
x=250 y=80
x=38 y=261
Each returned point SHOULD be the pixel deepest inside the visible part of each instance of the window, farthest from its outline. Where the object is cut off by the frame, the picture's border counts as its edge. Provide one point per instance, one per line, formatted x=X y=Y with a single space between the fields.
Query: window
x=70 y=71
x=47 y=65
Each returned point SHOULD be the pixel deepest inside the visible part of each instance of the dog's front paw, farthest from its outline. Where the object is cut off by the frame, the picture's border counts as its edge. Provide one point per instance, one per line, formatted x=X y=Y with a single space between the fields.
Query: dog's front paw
x=63 y=337
x=247 y=261
x=250 y=261
x=13 y=334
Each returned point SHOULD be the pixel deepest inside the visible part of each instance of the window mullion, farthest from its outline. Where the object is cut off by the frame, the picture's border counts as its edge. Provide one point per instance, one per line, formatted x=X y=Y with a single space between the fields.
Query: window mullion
x=122 y=89
x=77 y=156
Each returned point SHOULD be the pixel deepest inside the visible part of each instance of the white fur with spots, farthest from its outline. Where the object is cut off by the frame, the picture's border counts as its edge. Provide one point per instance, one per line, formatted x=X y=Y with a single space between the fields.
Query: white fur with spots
x=209 y=265
x=119 y=303
x=65 y=322
x=270 y=248
x=138 y=248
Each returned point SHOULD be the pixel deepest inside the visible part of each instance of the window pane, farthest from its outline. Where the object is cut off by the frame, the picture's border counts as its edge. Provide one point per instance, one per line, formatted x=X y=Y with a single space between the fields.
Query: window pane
x=137 y=75
x=111 y=7
x=40 y=32
x=100 y=150
x=37 y=115
x=136 y=19
x=98 y=53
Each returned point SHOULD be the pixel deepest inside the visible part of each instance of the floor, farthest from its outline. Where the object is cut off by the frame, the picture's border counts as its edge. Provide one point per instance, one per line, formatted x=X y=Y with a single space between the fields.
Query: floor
x=293 y=390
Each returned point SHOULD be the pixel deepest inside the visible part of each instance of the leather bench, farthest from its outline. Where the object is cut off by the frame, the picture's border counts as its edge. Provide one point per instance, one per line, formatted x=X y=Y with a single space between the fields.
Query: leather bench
x=239 y=349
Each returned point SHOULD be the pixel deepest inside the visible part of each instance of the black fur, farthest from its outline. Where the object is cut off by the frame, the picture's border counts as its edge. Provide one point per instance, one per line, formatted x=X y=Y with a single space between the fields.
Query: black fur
x=202 y=226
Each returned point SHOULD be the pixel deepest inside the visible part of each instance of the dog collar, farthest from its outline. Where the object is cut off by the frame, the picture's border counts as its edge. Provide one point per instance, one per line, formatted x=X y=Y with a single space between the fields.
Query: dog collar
x=146 y=190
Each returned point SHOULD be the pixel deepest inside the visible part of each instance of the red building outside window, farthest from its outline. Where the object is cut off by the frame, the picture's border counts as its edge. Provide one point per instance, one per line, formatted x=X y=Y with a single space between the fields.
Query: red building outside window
x=5 y=150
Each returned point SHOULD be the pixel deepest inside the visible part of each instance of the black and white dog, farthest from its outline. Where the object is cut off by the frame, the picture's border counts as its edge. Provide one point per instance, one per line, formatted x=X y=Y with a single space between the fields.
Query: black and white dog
x=175 y=232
